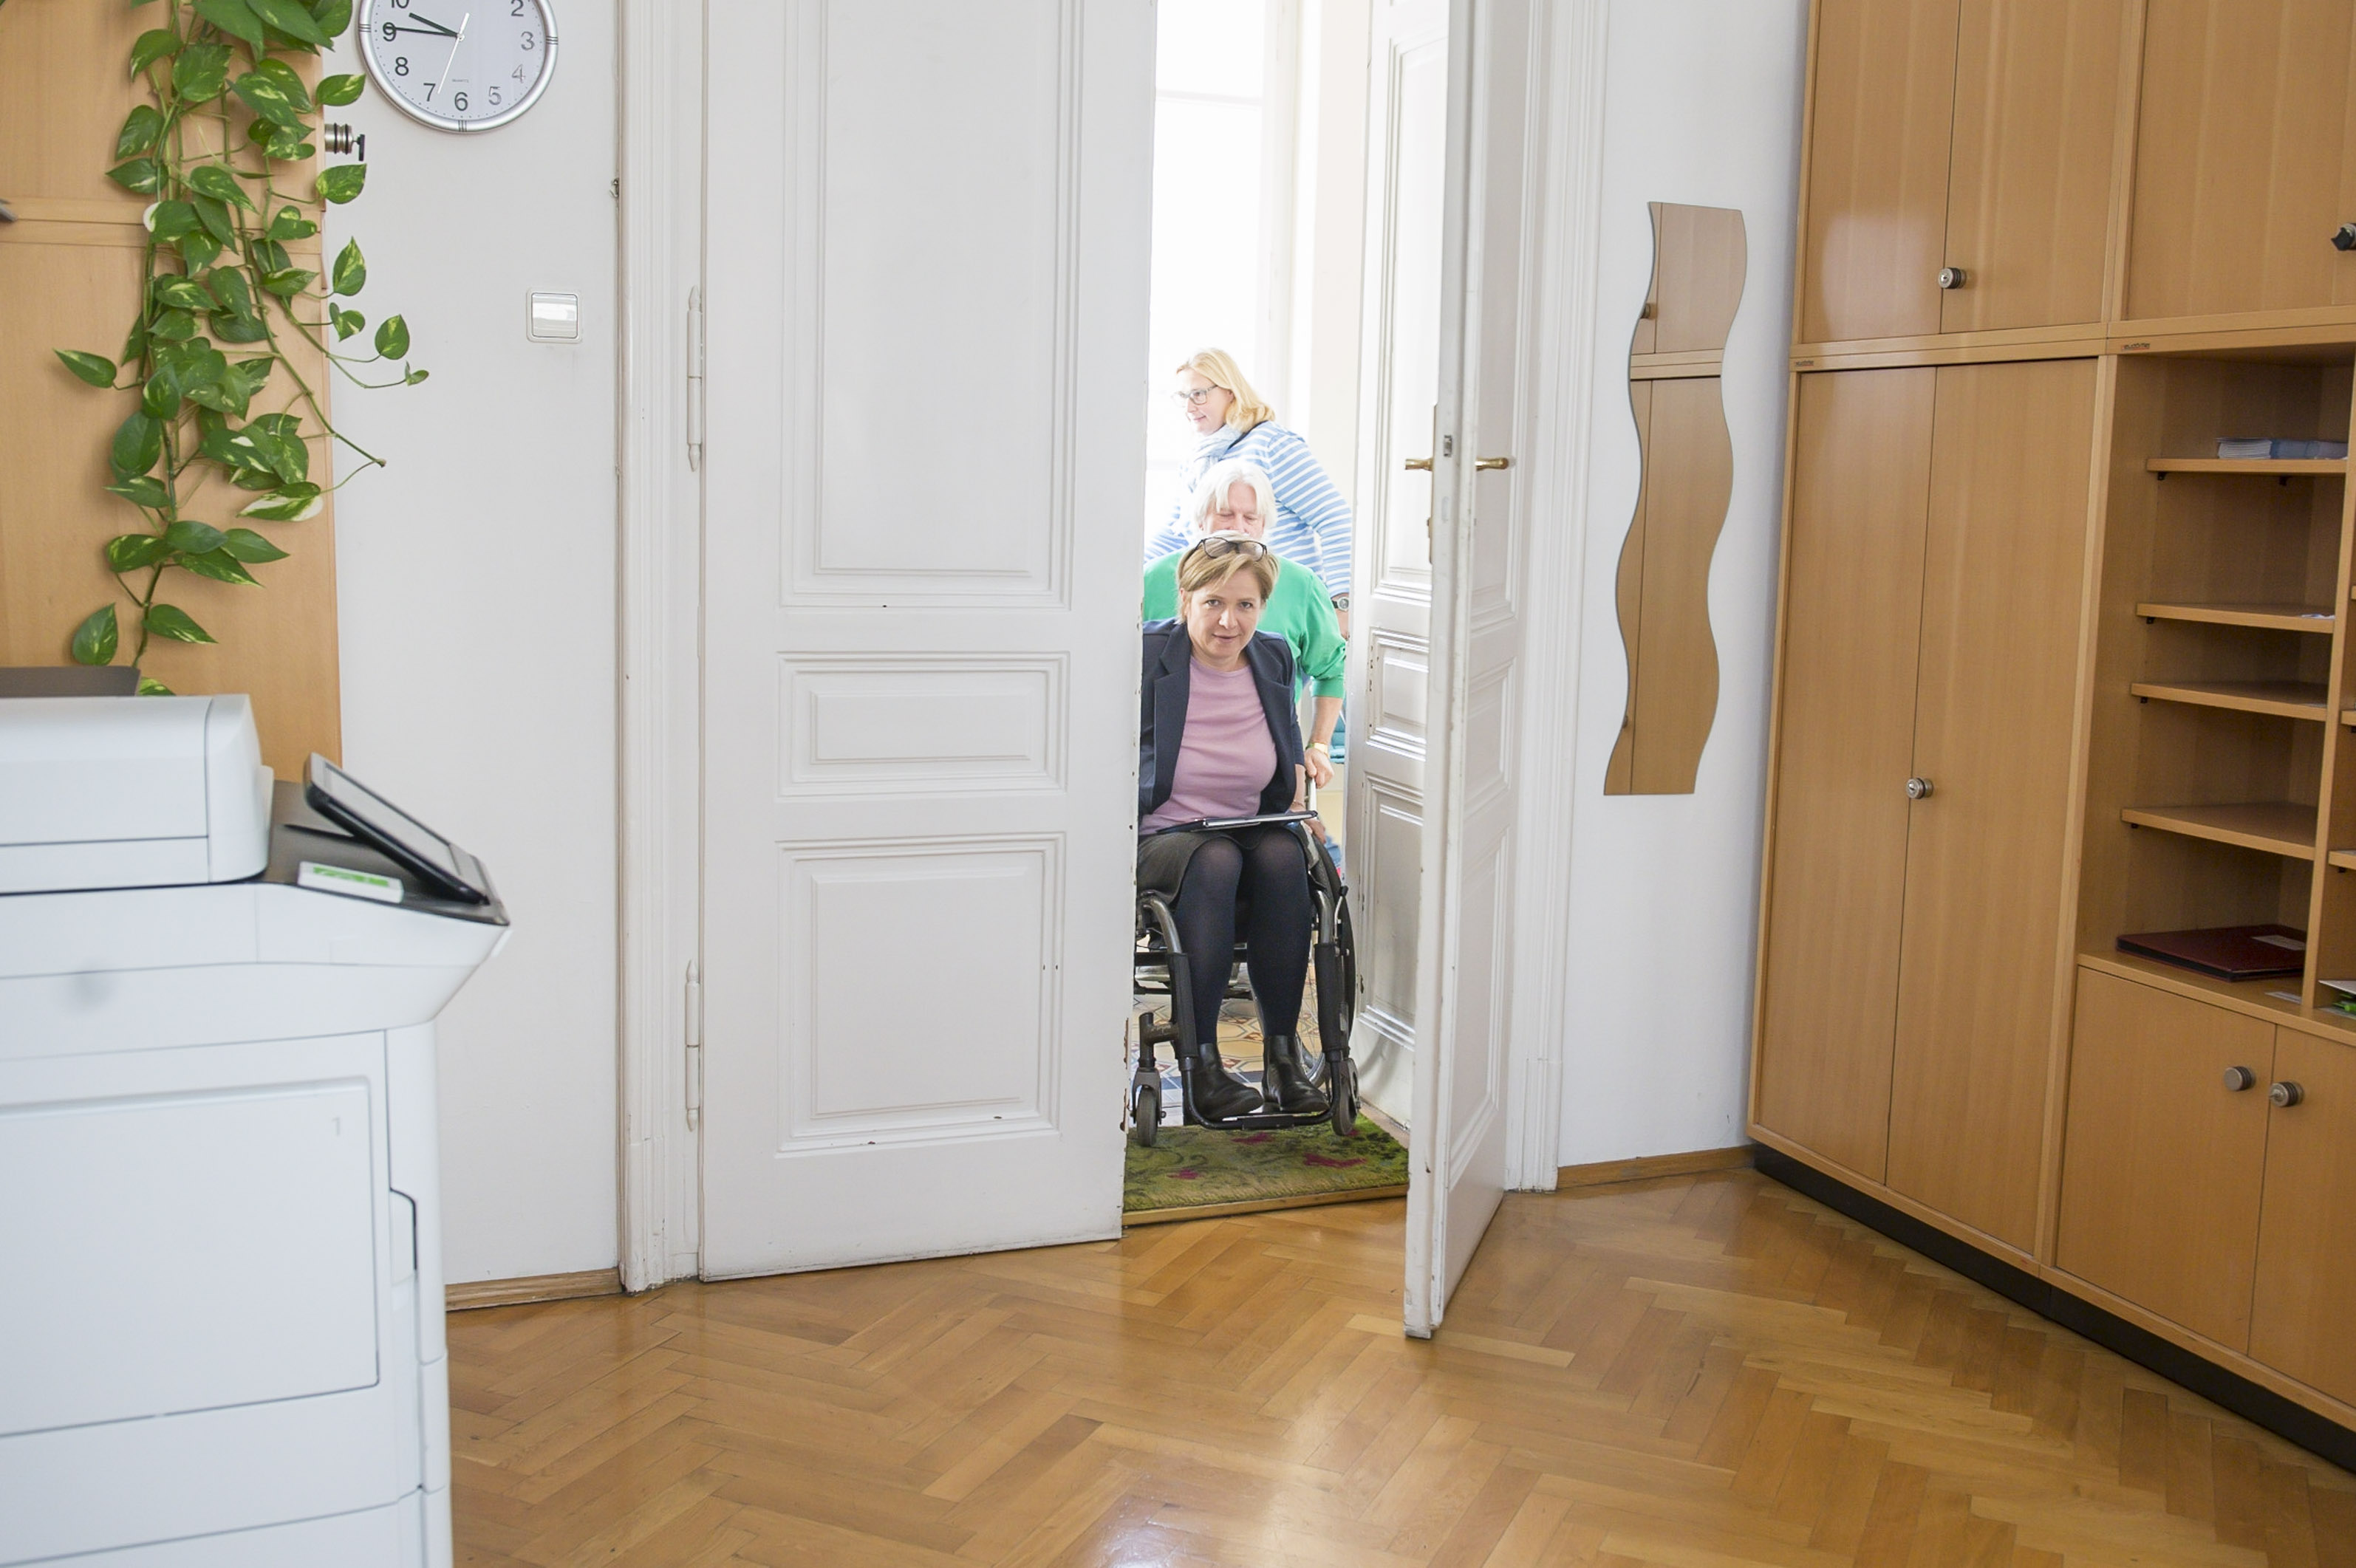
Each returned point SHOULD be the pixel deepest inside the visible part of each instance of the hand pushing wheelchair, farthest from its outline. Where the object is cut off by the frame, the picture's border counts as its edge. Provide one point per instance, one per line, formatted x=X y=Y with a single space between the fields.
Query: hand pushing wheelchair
x=1163 y=968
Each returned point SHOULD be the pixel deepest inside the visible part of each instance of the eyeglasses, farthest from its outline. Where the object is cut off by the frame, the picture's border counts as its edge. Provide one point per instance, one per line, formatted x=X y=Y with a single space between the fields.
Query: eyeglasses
x=1215 y=546
x=1195 y=398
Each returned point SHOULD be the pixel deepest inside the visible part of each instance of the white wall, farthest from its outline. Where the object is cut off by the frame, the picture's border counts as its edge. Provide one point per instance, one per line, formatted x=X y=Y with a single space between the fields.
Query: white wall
x=1702 y=106
x=476 y=596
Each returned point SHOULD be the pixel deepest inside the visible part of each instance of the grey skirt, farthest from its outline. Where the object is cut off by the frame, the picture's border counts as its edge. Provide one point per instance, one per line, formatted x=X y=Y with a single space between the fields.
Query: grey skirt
x=1162 y=858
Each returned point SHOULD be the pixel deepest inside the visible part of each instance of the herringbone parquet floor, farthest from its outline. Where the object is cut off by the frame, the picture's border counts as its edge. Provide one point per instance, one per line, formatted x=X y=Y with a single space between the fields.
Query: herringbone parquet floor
x=1700 y=1372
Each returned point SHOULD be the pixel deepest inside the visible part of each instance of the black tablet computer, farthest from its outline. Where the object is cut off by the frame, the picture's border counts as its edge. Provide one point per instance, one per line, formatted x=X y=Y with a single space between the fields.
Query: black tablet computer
x=400 y=837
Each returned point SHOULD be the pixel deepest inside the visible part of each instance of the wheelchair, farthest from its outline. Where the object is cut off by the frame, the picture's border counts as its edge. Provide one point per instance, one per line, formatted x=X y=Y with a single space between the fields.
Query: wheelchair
x=1163 y=968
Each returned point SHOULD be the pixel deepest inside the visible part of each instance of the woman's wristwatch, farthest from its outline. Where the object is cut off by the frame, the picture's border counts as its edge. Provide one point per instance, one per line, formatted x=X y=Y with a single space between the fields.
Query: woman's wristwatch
x=1340 y=601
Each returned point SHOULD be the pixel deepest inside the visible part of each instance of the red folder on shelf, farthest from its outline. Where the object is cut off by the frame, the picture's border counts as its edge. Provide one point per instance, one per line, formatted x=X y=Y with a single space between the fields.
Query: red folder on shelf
x=2228 y=952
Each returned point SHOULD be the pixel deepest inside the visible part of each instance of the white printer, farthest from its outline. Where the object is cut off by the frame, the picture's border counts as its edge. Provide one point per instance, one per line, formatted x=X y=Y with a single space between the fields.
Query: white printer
x=220 y=1328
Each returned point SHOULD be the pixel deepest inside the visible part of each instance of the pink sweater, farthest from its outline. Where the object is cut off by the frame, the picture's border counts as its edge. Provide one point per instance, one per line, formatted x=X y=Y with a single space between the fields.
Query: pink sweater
x=1226 y=755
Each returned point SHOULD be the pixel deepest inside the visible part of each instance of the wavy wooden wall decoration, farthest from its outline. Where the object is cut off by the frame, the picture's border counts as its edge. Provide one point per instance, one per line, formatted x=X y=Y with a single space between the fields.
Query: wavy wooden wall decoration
x=1673 y=392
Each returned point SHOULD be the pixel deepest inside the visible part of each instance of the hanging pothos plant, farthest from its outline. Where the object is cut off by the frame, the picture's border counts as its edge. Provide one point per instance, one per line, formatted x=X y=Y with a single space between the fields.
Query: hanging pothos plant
x=229 y=115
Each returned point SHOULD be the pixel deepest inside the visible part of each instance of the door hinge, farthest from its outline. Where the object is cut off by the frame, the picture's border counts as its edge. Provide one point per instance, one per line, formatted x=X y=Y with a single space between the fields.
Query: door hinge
x=695 y=1033
x=695 y=379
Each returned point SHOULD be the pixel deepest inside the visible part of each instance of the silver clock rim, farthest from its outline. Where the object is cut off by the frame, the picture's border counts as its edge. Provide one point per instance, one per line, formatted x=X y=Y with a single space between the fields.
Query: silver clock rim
x=442 y=121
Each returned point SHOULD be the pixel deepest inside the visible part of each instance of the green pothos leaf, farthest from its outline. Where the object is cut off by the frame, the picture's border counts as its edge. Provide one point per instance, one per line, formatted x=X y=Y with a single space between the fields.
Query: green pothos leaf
x=94 y=641
x=218 y=566
x=192 y=538
x=160 y=397
x=150 y=686
x=95 y=369
x=287 y=504
x=138 y=443
x=290 y=224
x=346 y=322
x=145 y=490
x=247 y=546
x=199 y=250
x=335 y=91
x=342 y=183
x=216 y=181
x=350 y=273
x=237 y=19
x=393 y=338
x=139 y=175
x=216 y=219
x=201 y=72
x=289 y=19
x=171 y=621
x=139 y=129
x=267 y=99
x=333 y=16
x=240 y=328
x=169 y=221
x=129 y=552
x=157 y=43
x=287 y=284
x=175 y=292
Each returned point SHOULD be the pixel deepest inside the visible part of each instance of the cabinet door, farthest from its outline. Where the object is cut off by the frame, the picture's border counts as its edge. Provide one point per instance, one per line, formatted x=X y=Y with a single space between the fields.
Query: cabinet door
x=1860 y=478
x=1881 y=89
x=2241 y=158
x=2029 y=183
x=2164 y=1157
x=2004 y=561
x=2307 y=1241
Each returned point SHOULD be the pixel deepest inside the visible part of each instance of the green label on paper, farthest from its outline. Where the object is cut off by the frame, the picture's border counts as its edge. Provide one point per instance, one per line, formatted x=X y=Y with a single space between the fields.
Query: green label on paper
x=343 y=879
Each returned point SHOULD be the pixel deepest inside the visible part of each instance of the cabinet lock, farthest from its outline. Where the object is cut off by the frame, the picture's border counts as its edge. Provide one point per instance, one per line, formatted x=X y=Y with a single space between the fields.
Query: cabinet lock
x=1955 y=277
x=2240 y=1078
x=2286 y=1094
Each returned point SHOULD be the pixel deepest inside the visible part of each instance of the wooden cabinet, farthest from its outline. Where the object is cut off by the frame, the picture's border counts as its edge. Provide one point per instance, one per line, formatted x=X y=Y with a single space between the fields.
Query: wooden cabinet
x=2164 y=1156
x=1995 y=707
x=1853 y=596
x=1976 y=134
x=2305 y=1297
x=1913 y=948
x=2243 y=158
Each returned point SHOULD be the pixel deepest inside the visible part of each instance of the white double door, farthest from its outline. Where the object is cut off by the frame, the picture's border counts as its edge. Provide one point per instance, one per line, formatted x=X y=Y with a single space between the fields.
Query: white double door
x=926 y=240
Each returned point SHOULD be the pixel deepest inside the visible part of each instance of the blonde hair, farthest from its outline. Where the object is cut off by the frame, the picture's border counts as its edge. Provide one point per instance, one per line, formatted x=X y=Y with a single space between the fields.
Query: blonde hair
x=1199 y=569
x=1225 y=476
x=1218 y=366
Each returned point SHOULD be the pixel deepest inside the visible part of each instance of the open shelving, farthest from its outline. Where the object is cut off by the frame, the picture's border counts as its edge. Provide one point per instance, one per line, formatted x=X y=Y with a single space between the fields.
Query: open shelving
x=2215 y=793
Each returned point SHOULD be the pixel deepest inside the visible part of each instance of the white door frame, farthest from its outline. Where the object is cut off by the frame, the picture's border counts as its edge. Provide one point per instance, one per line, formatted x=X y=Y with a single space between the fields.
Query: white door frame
x=659 y=555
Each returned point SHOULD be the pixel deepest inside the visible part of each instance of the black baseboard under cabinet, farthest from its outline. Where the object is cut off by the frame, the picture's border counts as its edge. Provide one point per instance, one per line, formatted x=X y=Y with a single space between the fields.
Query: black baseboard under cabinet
x=2253 y=1401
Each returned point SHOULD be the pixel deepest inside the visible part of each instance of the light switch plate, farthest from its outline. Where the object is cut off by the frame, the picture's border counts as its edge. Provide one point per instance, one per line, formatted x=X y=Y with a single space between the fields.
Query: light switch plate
x=553 y=318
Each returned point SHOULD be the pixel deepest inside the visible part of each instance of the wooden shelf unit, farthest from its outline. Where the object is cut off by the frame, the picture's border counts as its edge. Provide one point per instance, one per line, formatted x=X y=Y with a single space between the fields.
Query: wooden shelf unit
x=2311 y=620
x=2274 y=467
x=2283 y=698
x=2273 y=827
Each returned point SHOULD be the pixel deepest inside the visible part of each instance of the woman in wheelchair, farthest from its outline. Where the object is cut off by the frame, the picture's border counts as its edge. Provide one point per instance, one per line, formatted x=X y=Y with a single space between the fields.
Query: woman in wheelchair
x=1219 y=737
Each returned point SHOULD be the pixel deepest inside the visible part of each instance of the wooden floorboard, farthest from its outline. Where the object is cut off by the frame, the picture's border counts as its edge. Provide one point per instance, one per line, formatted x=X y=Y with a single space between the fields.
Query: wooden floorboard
x=1699 y=1371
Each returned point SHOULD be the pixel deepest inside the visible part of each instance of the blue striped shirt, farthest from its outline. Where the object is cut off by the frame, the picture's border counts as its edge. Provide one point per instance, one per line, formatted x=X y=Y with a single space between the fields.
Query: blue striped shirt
x=1312 y=524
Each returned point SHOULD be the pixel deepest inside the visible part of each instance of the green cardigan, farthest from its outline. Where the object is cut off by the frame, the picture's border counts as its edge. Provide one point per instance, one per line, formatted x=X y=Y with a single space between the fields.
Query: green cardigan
x=1299 y=612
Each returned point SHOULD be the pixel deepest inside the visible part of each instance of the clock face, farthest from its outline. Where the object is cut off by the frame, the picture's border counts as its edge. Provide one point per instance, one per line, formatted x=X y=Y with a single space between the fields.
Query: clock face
x=459 y=65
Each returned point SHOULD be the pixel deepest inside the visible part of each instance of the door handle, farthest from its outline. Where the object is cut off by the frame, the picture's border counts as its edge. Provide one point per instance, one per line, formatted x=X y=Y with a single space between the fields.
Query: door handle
x=1419 y=464
x=1480 y=464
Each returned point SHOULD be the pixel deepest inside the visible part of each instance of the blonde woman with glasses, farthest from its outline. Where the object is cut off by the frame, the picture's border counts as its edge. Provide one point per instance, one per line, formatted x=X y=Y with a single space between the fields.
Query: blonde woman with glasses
x=1311 y=523
x=1218 y=737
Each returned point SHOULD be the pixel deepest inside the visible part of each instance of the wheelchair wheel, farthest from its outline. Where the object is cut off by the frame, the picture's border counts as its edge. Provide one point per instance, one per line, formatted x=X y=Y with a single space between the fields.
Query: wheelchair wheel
x=1342 y=1094
x=1145 y=1113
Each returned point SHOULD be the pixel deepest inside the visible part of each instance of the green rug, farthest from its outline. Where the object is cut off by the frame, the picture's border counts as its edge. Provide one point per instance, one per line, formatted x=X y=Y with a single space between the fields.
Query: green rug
x=1197 y=1168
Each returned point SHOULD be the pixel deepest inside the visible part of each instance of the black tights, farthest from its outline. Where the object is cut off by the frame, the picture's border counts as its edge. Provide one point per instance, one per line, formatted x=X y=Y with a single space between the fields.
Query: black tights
x=1264 y=865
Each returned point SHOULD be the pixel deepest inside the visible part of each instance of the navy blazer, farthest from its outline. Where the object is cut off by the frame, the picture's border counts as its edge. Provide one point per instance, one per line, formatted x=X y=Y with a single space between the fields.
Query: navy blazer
x=1162 y=718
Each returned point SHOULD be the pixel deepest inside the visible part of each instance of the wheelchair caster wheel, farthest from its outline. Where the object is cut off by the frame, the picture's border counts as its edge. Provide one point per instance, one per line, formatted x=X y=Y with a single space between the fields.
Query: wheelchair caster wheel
x=1342 y=1094
x=1144 y=1113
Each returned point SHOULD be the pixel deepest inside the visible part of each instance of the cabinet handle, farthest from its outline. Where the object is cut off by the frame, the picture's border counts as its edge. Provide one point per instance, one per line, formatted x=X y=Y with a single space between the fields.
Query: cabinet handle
x=1955 y=277
x=1918 y=789
x=2344 y=237
x=2286 y=1094
x=2240 y=1078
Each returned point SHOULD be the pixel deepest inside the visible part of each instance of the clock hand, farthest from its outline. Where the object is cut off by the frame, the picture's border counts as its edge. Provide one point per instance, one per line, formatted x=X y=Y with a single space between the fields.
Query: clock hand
x=456 y=39
x=423 y=32
x=428 y=25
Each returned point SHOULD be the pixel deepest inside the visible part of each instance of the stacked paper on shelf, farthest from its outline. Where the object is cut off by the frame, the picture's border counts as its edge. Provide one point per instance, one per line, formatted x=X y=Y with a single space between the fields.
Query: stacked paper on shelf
x=2243 y=447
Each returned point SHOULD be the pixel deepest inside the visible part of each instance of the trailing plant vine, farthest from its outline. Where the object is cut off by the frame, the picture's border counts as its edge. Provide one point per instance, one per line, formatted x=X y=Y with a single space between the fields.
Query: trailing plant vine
x=228 y=114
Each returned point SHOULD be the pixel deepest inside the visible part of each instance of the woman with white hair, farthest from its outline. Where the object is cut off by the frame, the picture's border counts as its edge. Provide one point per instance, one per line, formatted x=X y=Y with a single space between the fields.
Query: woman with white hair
x=1236 y=497
x=1311 y=523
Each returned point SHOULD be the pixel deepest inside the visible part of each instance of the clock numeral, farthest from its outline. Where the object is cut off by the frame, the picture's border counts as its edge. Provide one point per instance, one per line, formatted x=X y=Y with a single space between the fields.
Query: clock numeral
x=390 y=32
x=401 y=5
x=495 y=98
x=400 y=65
x=515 y=7
x=518 y=73
x=429 y=90
x=529 y=42
x=458 y=101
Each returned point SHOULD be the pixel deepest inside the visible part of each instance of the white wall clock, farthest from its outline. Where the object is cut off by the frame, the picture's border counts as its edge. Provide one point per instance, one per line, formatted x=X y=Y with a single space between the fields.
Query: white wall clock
x=459 y=65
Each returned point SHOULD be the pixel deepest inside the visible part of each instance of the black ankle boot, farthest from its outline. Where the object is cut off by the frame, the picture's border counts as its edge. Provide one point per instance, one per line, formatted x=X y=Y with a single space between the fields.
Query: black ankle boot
x=1285 y=1076
x=1217 y=1092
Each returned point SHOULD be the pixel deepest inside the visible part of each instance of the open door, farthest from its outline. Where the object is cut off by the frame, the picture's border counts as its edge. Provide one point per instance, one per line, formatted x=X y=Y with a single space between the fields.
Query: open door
x=926 y=250
x=1462 y=990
